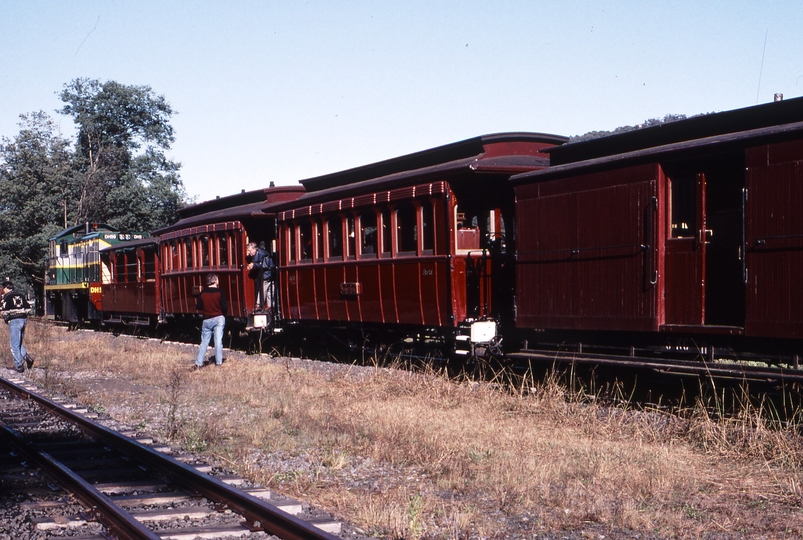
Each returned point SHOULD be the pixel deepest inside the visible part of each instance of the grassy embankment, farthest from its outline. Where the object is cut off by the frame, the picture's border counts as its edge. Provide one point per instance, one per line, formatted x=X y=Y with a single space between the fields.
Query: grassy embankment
x=415 y=455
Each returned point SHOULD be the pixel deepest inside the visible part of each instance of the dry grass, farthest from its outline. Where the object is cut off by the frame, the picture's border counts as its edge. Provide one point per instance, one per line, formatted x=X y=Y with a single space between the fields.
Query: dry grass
x=412 y=455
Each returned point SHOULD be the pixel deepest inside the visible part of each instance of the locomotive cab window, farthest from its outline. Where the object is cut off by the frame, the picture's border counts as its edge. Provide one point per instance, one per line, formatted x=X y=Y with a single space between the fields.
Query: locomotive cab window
x=683 y=198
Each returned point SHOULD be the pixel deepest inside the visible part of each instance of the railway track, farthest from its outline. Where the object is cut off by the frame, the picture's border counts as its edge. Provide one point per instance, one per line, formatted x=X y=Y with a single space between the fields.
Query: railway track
x=699 y=367
x=126 y=488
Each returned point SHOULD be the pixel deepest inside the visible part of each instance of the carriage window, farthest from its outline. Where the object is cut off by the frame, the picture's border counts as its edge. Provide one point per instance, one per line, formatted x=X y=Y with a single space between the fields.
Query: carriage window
x=351 y=236
x=368 y=238
x=386 y=236
x=319 y=239
x=174 y=259
x=428 y=226
x=406 y=228
x=334 y=230
x=119 y=267
x=468 y=231
x=105 y=271
x=223 y=249
x=203 y=243
x=131 y=266
x=440 y=230
x=291 y=231
x=305 y=239
x=684 y=206
x=150 y=264
x=188 y=253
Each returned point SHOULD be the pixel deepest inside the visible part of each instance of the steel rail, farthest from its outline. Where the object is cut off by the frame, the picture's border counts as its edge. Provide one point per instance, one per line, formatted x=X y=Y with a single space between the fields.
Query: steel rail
x=670 y=366
x=262 y=515
x=115 y=519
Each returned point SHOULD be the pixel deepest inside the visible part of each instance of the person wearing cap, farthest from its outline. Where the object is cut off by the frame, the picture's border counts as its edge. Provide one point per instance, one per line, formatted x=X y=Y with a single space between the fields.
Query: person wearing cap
x=14 y=308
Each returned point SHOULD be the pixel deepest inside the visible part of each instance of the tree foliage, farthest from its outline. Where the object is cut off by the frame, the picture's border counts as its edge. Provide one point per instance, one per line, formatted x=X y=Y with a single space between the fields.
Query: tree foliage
x=116 y=172
x=624 y=129
x=123 y=132
x=36 y=177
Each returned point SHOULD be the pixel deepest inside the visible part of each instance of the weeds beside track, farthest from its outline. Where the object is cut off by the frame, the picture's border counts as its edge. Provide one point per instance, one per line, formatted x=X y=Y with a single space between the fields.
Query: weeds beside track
x=418 y=455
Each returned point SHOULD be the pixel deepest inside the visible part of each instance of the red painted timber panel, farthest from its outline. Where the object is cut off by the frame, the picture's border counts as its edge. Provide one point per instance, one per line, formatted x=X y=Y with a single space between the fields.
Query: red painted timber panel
x=581 y=264
x=774 y=241
x=683 y=278
x=370 y=298
x=177 y=291
x=404 y=290
x=305 y=295
x=139 y=298
x=387 y=290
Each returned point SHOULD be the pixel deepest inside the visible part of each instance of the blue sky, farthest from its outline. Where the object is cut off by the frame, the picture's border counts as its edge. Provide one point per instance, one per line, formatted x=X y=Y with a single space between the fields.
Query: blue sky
x=281 y=91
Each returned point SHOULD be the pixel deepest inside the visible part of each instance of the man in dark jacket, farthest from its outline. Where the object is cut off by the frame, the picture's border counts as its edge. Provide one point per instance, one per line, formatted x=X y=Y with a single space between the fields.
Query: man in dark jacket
x=14 y=308
x=261 y=271
x=212 y=303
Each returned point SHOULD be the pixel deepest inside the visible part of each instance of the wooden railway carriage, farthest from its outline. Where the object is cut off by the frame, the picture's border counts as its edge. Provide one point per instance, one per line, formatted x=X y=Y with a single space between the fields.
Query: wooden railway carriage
x=414 y=245
x=692 y=231
x=211 y=237
x=130 y=283
x=73 y=269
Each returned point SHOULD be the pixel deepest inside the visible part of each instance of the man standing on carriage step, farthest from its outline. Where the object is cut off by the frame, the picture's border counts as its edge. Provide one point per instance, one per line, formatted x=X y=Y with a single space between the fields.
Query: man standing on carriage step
x=260 y=269
x=14 y=309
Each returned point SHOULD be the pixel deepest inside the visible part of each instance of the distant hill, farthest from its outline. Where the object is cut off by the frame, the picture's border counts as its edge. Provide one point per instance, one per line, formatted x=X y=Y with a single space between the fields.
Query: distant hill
x=623 y=129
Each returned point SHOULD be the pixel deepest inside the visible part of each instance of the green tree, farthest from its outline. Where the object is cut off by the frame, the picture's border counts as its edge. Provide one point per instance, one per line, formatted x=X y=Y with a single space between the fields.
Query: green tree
x=125 y=179
x=36 y=182
x=624 y=129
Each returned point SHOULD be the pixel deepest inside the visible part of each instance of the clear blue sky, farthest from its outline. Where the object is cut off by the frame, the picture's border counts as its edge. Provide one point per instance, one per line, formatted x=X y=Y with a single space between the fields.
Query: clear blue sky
x=285 y=90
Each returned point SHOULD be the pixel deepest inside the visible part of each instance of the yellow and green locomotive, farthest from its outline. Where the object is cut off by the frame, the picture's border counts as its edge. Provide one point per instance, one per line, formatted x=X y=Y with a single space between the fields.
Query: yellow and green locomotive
x=74 y=269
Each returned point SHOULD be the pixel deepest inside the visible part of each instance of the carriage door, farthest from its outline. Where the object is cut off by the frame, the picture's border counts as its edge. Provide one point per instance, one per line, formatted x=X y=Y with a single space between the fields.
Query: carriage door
x=685 y=263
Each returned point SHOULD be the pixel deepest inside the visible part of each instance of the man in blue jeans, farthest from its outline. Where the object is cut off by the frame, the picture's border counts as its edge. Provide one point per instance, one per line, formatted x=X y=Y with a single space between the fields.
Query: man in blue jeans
x=14 y=308
x=212 y=303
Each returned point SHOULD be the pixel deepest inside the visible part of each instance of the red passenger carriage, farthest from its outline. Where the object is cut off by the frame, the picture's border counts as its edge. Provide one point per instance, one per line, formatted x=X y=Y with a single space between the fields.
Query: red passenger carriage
x=415 y=245
x=130 y=283
x=158 y=278
x=690 y=231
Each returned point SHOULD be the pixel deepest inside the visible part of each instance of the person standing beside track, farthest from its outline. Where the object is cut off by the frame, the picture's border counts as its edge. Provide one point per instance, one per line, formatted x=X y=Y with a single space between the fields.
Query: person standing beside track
x=213 y=304
x=261 y=270
x=14 y=308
